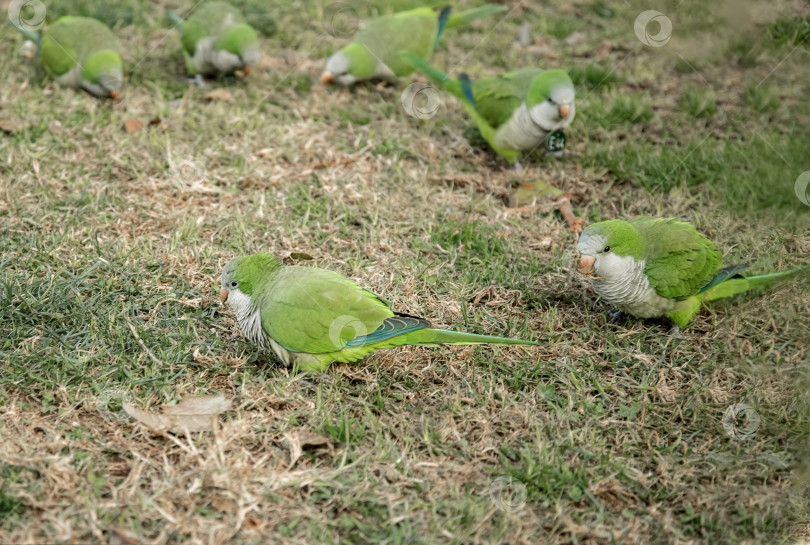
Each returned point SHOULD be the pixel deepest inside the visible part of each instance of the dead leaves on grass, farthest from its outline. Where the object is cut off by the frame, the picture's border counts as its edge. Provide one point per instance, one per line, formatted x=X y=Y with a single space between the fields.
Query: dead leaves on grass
x=300 y=439
x=191 y=414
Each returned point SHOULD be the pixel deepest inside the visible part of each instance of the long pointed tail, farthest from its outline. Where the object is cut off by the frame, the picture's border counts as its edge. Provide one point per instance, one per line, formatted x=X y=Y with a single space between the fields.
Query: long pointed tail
x=733 y=286
x=464 y=17
x=427 y=337
x=436 y=76
x=175 y=19
x=28 y=34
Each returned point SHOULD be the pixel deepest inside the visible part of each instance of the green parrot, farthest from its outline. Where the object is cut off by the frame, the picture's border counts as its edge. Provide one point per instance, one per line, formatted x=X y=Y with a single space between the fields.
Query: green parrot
x=515 y=112
x=312 y=317
x=373 y=53
x=81 y=53
x=660 y=267
x=216 y=40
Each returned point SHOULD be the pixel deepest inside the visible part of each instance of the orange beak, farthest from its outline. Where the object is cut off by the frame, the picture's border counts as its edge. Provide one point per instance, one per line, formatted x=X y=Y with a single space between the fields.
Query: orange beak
x=586 y=264
x=327 y=78
x=223 y=295
x=565 y=110
x=114 y=94
x=246 y=70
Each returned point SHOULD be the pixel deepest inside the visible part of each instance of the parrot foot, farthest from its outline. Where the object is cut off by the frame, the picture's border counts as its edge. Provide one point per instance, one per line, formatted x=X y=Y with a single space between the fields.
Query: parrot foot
x=617 y=316
x=198 y=80
x=518 y=166
x=675 y=333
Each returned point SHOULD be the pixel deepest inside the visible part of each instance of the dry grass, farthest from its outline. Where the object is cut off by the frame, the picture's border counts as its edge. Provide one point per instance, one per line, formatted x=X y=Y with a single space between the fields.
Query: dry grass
x=113 y=242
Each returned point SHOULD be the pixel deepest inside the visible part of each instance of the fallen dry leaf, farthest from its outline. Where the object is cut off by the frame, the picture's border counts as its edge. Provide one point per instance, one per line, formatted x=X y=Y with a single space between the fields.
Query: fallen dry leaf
x=9 y=126
x=300 y=439
x=219 y=94
x=133 y=125
x=191 y=414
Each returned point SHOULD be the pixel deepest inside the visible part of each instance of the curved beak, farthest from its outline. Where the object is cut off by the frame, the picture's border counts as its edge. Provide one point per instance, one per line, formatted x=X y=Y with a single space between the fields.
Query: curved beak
x=327 y=77
x=115 y=94
x=246 y=70
x=223 y=295
x=565 y=111
x=586 y=264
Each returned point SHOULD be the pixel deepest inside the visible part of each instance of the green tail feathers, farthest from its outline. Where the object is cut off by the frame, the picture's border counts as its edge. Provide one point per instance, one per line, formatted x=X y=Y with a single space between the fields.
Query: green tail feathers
x=733 y=286
x=468 y=15
x=175 y=19
x=436 y=76
x=442 y=336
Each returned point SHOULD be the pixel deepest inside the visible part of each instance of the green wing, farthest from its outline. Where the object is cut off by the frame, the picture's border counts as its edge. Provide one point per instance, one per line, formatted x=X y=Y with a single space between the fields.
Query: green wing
x=679 y=260
x=317 y=311
x=497 y=98
x=210 y=19
x=413 y=31
x=73 y=40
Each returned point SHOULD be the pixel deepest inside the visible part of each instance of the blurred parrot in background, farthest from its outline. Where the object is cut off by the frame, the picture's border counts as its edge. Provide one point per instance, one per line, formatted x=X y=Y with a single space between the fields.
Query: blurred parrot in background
x=660 y=267
x=516 y=112
x=312 y=317
x=81 y=53
x=216 y=40
x=373 y=52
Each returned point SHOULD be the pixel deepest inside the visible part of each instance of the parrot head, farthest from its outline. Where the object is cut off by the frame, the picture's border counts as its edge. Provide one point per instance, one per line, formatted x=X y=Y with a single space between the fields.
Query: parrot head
x=102 y=73
x=236 y=48
x=609 y=250
x=550 y=100
x=245 y=276
x=352 y=63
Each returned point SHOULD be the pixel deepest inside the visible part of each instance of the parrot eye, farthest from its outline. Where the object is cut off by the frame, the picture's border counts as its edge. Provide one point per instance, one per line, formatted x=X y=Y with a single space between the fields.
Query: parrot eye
x=234 y=284
x=607 y=249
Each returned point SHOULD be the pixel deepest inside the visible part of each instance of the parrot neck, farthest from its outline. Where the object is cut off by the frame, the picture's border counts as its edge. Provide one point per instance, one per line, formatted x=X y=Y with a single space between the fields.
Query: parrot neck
x=626 y=287
x=250 y=321
x=520 y=132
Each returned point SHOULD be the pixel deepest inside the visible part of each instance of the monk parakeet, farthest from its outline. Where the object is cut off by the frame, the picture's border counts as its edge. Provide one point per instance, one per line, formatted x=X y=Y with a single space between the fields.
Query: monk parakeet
x=373 y=52
x=654 y=267
x=217 y=40
x=516 y=112
x=312 y=317
x=82 y=53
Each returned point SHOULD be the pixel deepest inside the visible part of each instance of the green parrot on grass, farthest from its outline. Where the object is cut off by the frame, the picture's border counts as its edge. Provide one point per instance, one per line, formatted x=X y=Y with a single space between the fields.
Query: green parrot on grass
x=660 y=267
x=373 y=52
x=312 y=317
x=81 y=53
x=516 y=112
x=216 y=40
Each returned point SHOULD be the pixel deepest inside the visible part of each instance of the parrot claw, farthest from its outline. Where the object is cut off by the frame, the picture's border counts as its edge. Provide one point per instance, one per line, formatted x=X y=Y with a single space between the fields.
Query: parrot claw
x=675 y=333
x=617 y=316
x=198 y=80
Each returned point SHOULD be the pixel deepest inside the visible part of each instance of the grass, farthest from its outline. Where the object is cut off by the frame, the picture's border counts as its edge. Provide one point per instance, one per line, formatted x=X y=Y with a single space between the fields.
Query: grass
x=113 y=244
